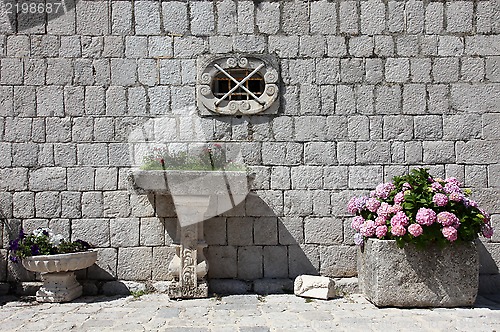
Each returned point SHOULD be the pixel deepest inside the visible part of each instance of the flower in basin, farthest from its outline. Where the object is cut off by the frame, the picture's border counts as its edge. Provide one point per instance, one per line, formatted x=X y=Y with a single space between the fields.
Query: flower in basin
x=381 y=231
x=415 y=230
x=426 y=216
x=440 y=199
x=384 y=189
x=446 y=218
x=436 y=186
x=421 y=209
x=400 y=219
x=384 y=210
x=398 y=230
x=372 y=204
x=450 y=233
x=357 y=222
x=456 y=197
x=43 y=241
x=368 y=228
x=399 y=198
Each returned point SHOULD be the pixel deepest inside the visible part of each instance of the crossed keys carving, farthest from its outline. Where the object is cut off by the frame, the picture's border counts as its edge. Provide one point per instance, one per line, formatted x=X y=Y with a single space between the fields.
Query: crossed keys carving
x=239 y=84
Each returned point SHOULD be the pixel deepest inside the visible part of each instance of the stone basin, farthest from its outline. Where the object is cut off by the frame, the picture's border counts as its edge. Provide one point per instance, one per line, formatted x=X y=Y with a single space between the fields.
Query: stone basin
x=215 y=191
x=61 y=262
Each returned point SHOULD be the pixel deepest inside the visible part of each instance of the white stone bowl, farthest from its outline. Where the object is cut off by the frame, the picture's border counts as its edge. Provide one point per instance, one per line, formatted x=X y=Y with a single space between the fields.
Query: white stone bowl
x=61 y=262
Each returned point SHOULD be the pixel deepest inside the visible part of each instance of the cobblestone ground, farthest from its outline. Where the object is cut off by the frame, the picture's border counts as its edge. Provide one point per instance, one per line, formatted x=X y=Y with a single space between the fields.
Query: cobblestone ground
x=244 y=313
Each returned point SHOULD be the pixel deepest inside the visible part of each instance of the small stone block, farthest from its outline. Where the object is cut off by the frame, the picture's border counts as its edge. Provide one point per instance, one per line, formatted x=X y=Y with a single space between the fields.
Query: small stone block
x=314 y=286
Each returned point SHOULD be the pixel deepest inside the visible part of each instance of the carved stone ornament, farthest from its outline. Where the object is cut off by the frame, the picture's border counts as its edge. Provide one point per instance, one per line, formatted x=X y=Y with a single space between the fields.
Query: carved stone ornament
x=237 y=84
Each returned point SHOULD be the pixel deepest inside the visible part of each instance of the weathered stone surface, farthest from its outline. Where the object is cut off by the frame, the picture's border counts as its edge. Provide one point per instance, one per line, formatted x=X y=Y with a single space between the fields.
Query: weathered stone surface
x=433 y=277
x=314 y=286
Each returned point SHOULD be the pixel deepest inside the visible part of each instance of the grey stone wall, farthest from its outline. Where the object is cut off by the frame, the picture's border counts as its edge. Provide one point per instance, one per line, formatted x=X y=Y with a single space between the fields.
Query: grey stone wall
x=369 y=90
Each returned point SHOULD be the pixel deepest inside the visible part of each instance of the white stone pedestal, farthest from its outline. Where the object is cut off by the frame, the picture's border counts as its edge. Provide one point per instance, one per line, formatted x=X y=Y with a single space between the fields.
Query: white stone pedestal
x=59 y=287
x=197 y=196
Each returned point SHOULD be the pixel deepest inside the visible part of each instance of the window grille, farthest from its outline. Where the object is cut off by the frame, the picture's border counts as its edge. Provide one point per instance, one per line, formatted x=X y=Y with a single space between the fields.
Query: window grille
x=237 y=85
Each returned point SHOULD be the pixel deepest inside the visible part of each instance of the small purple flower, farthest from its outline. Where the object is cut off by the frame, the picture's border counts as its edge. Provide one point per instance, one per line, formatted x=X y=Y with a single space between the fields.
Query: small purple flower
x=398 y=230
x=384 y=189
x=400 y=219
x=85 y=245
x=14 y=245
x=358 y=239
x=35 y=250
x=22 y=235
x=487 y=231
x=44 y=232
x=14 y=259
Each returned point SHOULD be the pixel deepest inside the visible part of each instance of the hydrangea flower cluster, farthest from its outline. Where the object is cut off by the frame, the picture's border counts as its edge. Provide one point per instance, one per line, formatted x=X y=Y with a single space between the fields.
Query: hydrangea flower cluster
x=43 y=241
x=418 y=208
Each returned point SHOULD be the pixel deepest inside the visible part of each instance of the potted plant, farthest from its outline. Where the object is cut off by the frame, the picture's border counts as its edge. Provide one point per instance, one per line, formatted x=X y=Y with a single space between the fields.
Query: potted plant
x=56 y=259
x=416 y=236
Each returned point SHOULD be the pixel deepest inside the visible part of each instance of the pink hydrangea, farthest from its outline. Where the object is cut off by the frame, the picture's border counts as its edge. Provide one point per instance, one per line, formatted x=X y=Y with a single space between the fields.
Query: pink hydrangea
x=399 y=198
x=456 y=197
x=452 y=188
x=398 y=230
x=368 y=228
x=487 y=231
x=406 y=186
x=446 y=219
x=384 y=189
x=357 y=222
x=450 y=233
x=440 y=199
x=426 y=216
x=380 y=220
x=351 y=206
x=372 y=204
x=384 y=210
x=436 y=186
x=453 y=180
x=395 y=208
x=415 y=230
x=381 y=231
x=400 y=219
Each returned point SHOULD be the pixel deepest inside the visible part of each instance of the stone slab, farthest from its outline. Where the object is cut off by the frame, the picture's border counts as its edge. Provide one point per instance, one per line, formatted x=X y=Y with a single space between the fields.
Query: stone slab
x=314 y=286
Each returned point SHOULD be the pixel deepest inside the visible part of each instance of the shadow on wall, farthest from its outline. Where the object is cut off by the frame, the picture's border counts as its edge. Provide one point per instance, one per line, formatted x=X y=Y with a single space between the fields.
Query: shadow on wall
x=30 y=16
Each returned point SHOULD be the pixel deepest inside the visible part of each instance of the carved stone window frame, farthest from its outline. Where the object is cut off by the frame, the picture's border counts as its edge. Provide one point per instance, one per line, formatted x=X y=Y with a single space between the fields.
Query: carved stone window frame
x=263 y=66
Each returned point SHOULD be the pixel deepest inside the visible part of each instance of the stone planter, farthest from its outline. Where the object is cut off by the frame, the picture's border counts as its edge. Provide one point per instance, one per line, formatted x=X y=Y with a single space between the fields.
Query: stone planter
x=197 y=196
x=59 y=280
x=409 y=277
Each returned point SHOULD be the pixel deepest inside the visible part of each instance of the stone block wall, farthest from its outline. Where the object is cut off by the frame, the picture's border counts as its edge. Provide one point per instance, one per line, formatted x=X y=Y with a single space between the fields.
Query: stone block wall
x=369 y=89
